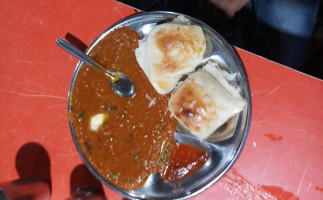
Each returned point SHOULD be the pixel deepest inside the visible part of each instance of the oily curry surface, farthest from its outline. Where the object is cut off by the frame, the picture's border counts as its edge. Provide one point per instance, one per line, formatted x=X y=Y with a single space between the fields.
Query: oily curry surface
x=136 y=137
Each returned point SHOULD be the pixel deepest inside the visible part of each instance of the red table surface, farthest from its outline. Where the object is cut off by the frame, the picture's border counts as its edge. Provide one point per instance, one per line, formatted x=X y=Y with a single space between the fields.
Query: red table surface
x=282 y=157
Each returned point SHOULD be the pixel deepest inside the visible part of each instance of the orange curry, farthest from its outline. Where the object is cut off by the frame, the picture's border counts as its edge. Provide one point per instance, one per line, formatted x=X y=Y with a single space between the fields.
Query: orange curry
x=137 y=137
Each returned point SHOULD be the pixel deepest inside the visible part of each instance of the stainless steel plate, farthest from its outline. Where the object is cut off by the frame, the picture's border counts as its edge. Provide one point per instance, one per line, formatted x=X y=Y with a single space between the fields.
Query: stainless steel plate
x=223 y=147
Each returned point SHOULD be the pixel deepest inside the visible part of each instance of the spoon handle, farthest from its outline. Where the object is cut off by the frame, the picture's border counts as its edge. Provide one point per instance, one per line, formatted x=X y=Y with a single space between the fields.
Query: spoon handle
x=74 y=51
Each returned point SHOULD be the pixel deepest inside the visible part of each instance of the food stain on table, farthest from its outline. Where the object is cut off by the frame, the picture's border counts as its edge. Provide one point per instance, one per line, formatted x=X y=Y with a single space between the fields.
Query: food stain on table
x=279 y=193
x=273 y=137
x=241 y=188
x=319 y=188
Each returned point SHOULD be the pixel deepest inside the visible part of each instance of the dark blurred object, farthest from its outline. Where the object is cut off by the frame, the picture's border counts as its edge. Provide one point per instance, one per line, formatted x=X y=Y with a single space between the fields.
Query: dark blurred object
x=31 y=188
x=236 y=30
x=84 y=186
x=314 y=61
x=286 y=27
x=33 y=167
x=86 y=193
x=32 y=160
x=247 y=31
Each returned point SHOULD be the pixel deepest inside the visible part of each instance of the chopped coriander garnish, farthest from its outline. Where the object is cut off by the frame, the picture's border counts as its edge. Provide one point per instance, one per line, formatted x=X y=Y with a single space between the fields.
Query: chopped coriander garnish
x=113 y=175
x=159 y=126
x=88 y=147
x=111 y=109
x=164 y=151
x=162 y=159
x=131 y=138
x=97 y=57
x=82 y=115
x=136 y=155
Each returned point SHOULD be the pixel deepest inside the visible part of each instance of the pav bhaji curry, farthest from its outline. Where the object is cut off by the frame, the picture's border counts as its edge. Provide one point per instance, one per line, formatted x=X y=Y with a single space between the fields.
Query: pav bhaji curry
x=127 y=139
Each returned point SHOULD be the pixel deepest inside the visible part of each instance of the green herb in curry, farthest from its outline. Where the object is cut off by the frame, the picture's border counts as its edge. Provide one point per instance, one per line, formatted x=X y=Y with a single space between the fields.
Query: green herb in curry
x=97 y=57
x=111 y=109
x=113 y=175
x=164 y=151
x=131 y=138
x=136 y=155
x=81 y=117
x=88 y=146
x=159 y=126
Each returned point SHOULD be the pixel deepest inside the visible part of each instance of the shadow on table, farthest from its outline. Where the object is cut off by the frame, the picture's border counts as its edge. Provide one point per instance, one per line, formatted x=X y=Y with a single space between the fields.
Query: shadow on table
x=32 y=160
x=82 y=178
x=76 y=42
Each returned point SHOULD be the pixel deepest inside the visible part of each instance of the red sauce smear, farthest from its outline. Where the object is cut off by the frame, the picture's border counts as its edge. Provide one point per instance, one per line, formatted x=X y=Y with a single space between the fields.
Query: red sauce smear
x=185 y=161
x=274 y=138
x=279 y=193
x=241 y=188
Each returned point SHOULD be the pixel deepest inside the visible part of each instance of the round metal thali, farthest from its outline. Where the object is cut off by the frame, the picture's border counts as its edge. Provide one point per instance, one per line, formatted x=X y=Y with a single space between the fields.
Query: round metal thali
x=223 y=146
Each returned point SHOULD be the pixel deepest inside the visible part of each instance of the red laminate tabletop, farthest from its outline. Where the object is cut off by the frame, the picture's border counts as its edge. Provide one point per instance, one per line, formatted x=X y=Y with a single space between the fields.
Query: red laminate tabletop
x=282 y=157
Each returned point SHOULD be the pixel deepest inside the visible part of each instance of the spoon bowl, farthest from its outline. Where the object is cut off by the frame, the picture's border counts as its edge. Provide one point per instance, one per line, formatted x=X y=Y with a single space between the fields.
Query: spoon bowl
x=124 y=88
x=121 y=84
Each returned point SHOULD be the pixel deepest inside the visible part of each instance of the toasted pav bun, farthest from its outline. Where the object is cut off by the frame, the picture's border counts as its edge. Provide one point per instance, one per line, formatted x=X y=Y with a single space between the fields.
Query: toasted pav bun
x=202 y=104
x=170 y=51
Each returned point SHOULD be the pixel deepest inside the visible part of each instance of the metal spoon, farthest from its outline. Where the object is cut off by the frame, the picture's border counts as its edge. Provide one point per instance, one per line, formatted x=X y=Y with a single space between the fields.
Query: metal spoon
x=120 y=83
